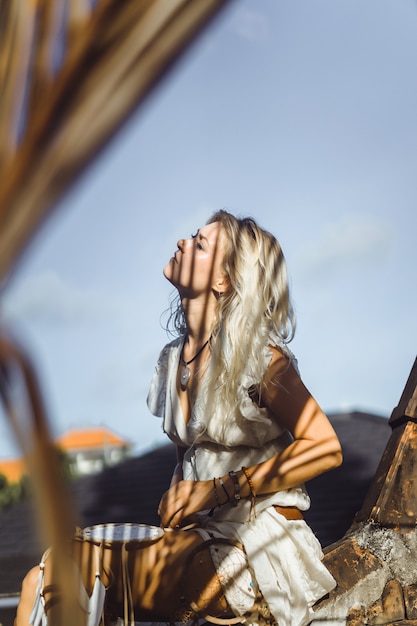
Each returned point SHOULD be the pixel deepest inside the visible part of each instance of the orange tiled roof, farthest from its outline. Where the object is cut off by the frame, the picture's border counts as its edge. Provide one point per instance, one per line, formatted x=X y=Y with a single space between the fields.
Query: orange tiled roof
x=96 y=437
x=13 y=469
x=77 y=439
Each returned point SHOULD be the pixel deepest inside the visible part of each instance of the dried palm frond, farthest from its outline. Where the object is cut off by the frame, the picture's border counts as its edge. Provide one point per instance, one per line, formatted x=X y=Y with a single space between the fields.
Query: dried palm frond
x=71 y=72
x=54 y=120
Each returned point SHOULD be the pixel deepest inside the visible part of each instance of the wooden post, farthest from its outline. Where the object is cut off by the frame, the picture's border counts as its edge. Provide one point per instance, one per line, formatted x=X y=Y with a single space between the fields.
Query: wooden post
x=392 y=496
x=375 y=560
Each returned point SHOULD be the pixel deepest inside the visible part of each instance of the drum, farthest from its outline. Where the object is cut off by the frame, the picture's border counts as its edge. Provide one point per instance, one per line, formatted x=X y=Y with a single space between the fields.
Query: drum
x=110 y=553
x=117 y=534
x=105 y=550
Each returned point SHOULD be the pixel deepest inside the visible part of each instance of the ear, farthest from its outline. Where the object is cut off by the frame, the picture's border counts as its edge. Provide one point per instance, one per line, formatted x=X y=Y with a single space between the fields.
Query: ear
x=221 y=285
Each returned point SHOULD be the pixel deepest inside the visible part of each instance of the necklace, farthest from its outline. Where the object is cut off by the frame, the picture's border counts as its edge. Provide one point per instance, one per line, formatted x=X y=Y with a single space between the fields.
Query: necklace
x=185 y=370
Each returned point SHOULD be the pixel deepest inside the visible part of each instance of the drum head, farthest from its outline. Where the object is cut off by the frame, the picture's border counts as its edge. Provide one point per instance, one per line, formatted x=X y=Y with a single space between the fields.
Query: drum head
x=122 y=533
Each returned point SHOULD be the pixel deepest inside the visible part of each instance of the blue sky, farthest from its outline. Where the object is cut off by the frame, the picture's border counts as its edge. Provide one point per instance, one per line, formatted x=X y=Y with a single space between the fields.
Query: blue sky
x=300 y=113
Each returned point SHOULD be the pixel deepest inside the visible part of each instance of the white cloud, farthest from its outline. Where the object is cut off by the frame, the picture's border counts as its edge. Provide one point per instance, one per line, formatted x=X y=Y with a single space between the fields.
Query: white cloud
x=48 y=298
x=346 y=243
x=251 y=25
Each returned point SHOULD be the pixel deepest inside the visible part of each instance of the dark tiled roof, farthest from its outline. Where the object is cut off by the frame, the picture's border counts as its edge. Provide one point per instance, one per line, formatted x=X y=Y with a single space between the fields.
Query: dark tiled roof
x=130 y=492
x=19 y=551
x=337 y=495
x=19 y=544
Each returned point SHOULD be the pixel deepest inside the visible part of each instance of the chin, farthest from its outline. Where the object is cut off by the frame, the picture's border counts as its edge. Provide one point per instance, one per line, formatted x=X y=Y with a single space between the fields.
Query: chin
x=167 y=272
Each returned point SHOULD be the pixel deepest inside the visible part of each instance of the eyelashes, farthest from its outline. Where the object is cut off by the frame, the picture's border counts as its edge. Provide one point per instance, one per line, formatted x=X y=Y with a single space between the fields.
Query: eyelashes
x=198 y=244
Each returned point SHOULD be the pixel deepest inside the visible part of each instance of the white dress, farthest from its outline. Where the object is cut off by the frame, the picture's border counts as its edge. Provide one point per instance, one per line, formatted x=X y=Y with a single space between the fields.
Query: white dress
x=285 y=557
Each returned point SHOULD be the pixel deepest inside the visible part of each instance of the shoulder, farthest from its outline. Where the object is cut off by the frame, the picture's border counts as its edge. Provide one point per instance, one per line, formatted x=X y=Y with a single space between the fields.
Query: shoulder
x=169 y=348
x=282 y=380
x=173 y=344
x=158 y=388
x=278 y=351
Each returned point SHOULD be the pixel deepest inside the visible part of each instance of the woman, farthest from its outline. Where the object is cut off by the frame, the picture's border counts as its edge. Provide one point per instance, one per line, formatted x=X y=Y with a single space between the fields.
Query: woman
x=248 y=434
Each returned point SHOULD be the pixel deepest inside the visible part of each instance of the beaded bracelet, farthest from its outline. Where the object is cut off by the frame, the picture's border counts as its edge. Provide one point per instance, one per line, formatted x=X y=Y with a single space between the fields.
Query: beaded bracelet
x=216 y=495
x=250 y=483
x=224 y=489
x=236 y=488
x=251 y=490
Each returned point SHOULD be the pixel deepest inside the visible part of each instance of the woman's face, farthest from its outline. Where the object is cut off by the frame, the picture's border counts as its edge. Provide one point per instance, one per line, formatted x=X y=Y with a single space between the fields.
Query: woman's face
x=196 y=267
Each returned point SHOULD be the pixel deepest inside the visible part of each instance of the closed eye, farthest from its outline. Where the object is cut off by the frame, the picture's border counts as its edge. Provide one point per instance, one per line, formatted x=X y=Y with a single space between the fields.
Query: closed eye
x=198 y=243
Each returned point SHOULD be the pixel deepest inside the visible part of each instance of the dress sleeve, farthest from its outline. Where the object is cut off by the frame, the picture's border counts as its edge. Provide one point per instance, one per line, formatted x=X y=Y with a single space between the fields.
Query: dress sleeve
x=249 y=408
x=277 y=342
x=158 y=389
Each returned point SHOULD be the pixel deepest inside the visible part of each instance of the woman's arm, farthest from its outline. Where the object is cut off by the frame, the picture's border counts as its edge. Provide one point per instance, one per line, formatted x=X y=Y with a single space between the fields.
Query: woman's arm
x=315 y=449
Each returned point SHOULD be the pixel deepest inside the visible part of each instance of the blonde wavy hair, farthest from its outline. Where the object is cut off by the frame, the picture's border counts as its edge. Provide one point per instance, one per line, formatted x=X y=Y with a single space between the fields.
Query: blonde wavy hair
x=256 y=306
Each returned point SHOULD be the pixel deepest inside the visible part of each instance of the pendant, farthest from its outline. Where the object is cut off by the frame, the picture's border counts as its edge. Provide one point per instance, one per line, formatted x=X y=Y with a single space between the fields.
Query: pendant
x=185 y=375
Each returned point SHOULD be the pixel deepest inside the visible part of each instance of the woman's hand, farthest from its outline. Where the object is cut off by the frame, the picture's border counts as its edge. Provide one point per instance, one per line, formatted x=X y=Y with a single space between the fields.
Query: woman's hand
x=183 y=500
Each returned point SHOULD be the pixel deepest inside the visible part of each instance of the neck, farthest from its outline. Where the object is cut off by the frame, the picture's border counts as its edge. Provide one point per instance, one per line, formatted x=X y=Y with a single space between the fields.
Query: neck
x=199 y=319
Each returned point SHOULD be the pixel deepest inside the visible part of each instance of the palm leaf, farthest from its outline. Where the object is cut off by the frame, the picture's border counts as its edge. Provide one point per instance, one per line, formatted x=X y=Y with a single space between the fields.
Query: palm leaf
x=71 y=73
